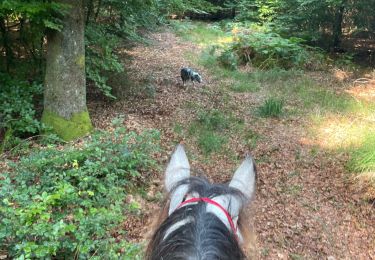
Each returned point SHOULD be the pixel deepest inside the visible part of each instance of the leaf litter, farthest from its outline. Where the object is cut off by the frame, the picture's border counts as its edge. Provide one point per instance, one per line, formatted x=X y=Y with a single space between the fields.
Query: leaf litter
x=305 y=206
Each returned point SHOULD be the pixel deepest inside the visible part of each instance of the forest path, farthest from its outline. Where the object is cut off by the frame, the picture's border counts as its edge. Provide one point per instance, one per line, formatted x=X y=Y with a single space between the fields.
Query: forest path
x=304 y=208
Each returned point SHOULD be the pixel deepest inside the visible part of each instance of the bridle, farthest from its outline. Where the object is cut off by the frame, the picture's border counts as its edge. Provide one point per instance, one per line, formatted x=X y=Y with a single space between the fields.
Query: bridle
x=212 y=202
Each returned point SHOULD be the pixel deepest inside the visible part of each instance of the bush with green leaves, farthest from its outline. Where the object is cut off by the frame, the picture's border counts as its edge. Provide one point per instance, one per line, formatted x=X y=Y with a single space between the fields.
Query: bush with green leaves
x=68 y=202
x=228 y=59
x=17 y=110
x=268 y=50
x=101 y=59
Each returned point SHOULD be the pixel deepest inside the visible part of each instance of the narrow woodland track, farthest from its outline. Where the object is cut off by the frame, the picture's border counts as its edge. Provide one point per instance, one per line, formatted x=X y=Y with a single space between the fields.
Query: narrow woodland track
x=305 y=207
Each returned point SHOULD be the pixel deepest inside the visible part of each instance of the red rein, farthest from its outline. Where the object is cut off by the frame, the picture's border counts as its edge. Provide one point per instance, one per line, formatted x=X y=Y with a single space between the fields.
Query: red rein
x=212 y=202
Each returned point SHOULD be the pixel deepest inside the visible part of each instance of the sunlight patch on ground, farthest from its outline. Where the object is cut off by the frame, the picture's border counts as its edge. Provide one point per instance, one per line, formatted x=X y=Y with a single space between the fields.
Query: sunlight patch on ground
x=336 y=132
x=363 y=90
x=341 y=75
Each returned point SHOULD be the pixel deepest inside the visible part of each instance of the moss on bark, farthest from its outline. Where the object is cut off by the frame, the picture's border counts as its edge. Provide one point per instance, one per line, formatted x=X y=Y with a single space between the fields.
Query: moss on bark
x=77 y=126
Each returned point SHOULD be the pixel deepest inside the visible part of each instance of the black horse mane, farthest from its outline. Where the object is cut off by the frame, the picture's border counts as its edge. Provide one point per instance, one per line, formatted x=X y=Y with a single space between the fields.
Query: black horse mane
x=203 y=236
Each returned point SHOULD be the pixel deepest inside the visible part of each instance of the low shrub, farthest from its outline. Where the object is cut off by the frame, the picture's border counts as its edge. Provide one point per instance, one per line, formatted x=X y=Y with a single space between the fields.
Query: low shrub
x=68 y=202
x=272 y=107
x=268 y=50
x=228 y=59
x=101 y=59
x=17 y=108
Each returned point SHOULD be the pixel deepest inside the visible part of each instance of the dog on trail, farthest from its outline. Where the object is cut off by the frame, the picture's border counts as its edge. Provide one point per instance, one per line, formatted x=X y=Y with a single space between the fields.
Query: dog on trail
x=188 y=74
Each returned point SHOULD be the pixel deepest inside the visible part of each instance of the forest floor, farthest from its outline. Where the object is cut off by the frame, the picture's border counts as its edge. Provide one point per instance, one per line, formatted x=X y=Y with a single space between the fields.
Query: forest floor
x=306 y=205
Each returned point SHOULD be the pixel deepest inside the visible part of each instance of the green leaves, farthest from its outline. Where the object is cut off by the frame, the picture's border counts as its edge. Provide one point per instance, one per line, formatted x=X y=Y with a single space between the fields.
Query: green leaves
x=37 y=11
x=67 y=202
x=16 y=106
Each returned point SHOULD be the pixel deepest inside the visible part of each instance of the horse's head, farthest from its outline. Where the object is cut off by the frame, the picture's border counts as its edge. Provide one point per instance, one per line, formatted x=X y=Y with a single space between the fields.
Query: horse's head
x=202 y=219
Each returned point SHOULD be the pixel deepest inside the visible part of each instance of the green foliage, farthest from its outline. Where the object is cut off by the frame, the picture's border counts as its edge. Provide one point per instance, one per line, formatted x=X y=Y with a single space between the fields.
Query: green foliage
x=211 y=129
x=313 y=20
x=244 y=86
x=275 y=74
x=22 y=27
x=228 y=59
x=214 y=120
x=256 y=10
x=211 y=142
x=69 y=202
x=243 y=43
x=180 y=7
x=363 y=158
x=17 y=112
x=269 y=50
x=272 y=107
x=101 y=59
x=198 y=32
x=38 y=12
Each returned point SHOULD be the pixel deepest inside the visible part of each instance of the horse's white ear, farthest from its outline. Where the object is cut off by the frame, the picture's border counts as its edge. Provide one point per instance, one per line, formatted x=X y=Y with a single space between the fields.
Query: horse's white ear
x=244 y=181
x=244 y=178
x=178 y=169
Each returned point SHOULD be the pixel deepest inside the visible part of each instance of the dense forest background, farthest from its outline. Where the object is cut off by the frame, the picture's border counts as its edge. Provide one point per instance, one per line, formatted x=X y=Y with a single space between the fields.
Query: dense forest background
x=56 y=56
x=338 y=27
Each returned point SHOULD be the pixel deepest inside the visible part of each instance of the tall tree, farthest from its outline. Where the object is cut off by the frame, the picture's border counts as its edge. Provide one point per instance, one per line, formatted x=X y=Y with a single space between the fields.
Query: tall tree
x=65 y=80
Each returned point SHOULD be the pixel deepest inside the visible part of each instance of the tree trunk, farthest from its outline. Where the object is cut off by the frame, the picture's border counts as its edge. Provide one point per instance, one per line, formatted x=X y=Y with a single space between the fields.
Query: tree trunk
x=6 y=43
x=65 y=81
x=337 y=27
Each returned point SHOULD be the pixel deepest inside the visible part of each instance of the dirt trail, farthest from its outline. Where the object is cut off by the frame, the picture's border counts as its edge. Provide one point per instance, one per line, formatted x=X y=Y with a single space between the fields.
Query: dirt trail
x=304 y=207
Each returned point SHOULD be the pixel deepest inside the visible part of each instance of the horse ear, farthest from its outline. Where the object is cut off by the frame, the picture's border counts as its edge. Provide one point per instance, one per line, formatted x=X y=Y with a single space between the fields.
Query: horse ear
x=244 y=178
x=178 y=169
x=244 y=181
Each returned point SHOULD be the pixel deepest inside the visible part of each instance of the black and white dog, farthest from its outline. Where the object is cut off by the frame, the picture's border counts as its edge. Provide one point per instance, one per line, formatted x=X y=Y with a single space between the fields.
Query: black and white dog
x=190 y=75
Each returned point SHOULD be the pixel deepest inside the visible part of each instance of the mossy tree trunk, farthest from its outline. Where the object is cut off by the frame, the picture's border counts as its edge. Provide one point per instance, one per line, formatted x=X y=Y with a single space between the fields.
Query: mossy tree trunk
x=65 y=81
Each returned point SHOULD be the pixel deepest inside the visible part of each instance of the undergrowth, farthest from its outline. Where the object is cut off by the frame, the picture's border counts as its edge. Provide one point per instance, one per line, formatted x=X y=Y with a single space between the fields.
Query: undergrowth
x=211 y=129
x=18 y=110
x=68 y=202
x=248 y=58
x=362 y=160
x=272 y=107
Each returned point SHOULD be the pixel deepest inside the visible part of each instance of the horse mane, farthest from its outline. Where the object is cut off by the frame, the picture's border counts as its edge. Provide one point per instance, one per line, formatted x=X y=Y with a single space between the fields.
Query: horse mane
x=202 y=235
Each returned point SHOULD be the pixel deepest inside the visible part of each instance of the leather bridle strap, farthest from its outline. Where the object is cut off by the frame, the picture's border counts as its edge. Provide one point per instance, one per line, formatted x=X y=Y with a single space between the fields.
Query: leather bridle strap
x=212 y=202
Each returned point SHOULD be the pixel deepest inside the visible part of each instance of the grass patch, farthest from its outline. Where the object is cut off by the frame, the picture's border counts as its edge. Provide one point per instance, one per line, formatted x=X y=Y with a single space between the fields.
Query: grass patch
x=293 y=190
x=272 y=107
x=214 y=120
x=200 y=33
x=209 y=142
x=275 y=74
x=244 y=86
x=314 y=96
x=251 y=138
x=211 y=129
x=178 y=129
x=362 y=159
